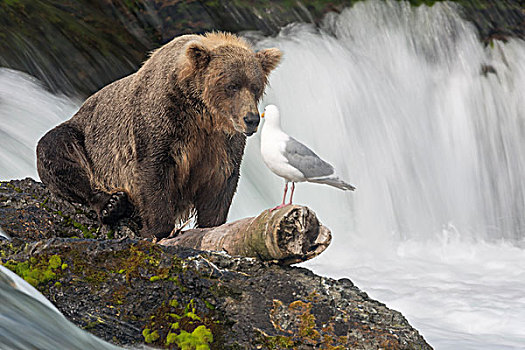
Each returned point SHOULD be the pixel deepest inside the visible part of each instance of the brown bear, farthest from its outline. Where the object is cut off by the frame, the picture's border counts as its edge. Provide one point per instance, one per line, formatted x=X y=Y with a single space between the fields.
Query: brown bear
x=167 y=140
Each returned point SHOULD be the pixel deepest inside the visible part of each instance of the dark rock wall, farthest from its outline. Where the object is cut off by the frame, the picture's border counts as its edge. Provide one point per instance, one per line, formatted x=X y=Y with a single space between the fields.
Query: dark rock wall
x=77 y=47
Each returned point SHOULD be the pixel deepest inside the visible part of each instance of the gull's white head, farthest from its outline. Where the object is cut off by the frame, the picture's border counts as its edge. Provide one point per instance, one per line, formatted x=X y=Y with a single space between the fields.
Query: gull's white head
x=271 y=114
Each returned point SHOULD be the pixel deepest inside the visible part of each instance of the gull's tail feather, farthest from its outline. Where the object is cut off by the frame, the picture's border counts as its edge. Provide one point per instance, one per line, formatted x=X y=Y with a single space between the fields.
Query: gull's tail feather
x=335 y=182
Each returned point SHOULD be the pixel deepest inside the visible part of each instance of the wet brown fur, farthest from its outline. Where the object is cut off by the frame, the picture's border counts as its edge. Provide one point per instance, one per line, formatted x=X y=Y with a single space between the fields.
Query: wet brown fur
x=171 y=135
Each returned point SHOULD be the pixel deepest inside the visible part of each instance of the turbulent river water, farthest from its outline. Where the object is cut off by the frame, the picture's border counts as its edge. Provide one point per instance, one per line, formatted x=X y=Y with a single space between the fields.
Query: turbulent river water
x=425 y=120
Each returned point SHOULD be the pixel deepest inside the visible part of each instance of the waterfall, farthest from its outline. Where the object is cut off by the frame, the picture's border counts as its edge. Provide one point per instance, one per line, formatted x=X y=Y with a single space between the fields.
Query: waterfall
x=27 y=112
x=428 y=123
x=425 y=120
x=410 y=106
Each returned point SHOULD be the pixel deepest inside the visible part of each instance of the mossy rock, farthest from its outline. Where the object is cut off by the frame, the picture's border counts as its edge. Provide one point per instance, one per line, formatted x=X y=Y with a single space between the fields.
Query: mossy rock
x=30 y=212
x=205 y=300
x=130 y=291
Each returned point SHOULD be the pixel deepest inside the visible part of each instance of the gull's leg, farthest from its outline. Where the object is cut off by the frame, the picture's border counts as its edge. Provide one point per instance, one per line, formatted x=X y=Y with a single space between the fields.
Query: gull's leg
x=284 y=198
x=291 y=195
x=285 y=190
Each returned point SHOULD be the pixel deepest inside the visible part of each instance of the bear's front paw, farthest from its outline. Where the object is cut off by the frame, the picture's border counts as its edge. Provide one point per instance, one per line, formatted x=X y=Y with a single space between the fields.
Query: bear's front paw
x=117 y=207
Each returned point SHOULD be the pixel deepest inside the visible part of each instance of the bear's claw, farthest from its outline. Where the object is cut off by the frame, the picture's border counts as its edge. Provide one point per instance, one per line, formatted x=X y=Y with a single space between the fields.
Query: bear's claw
x=117 y=207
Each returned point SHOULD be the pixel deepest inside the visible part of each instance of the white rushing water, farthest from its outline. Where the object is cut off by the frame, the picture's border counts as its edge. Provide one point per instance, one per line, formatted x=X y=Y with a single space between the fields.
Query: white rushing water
x=394 y=98
x=29 y=321
x=27 y=112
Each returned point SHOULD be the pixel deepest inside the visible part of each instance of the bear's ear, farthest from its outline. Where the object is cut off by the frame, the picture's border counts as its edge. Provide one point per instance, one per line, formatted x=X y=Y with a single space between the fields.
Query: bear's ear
x=269 y=59
x=198 y=55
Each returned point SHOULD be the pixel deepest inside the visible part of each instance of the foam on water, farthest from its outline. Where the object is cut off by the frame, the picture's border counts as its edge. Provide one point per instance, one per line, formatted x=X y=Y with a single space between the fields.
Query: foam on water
x=458 y=295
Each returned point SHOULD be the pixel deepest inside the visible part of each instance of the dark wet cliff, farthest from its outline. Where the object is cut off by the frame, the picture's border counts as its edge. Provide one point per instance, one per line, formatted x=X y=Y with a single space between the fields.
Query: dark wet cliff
x=76 y=47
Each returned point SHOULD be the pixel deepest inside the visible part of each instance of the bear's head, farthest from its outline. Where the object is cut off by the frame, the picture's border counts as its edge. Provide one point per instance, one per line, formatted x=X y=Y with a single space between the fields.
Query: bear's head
x=229 y=78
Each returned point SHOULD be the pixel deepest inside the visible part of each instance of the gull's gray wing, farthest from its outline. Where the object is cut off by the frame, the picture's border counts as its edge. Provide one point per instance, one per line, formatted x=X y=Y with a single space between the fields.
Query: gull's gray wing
x=305 y=160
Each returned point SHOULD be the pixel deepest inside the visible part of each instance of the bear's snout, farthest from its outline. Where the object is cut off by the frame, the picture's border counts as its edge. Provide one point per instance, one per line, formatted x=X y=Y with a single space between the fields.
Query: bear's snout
x=252 y=122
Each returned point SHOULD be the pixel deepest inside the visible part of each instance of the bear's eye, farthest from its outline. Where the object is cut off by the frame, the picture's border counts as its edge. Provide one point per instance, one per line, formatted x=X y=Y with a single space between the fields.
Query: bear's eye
x=233 y=87
x=255 y=89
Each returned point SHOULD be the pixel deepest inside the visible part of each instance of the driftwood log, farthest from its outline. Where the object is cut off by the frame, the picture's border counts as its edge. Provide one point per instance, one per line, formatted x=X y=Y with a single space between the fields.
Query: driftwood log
x=29 y=212
x=289 y=235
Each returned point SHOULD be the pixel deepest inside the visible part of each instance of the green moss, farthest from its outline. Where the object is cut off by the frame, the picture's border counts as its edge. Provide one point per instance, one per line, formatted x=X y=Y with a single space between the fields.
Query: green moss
x=137 y=259
x=119 y=295
x=16 y=189
x=69 y=222
x=278 y=342
x=36 y=271
x=209 y=305
x=10 y=249
x=86 y=232
x=171 y=338
x=298 y=323
x=96 y=278
x=199 y=339
x=55 y=262
x=93 y=324
x=193 y=316
x=86 y=271
x=182 y=325
x=150 y=337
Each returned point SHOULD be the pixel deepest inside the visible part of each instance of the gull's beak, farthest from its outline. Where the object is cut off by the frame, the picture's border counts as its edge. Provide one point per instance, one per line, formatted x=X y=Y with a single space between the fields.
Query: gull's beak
x=262 y=115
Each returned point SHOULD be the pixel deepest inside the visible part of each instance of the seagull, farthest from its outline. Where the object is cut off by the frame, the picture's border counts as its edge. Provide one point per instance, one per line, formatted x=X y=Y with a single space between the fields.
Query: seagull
x=291 y=160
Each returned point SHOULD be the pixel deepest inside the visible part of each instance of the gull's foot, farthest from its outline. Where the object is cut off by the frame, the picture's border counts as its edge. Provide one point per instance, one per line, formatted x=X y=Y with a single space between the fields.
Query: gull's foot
x=279 y=207
x=117 y=207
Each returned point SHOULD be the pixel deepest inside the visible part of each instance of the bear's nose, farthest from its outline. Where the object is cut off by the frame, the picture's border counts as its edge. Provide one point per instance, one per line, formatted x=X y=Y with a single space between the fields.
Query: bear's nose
x=252 y=122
